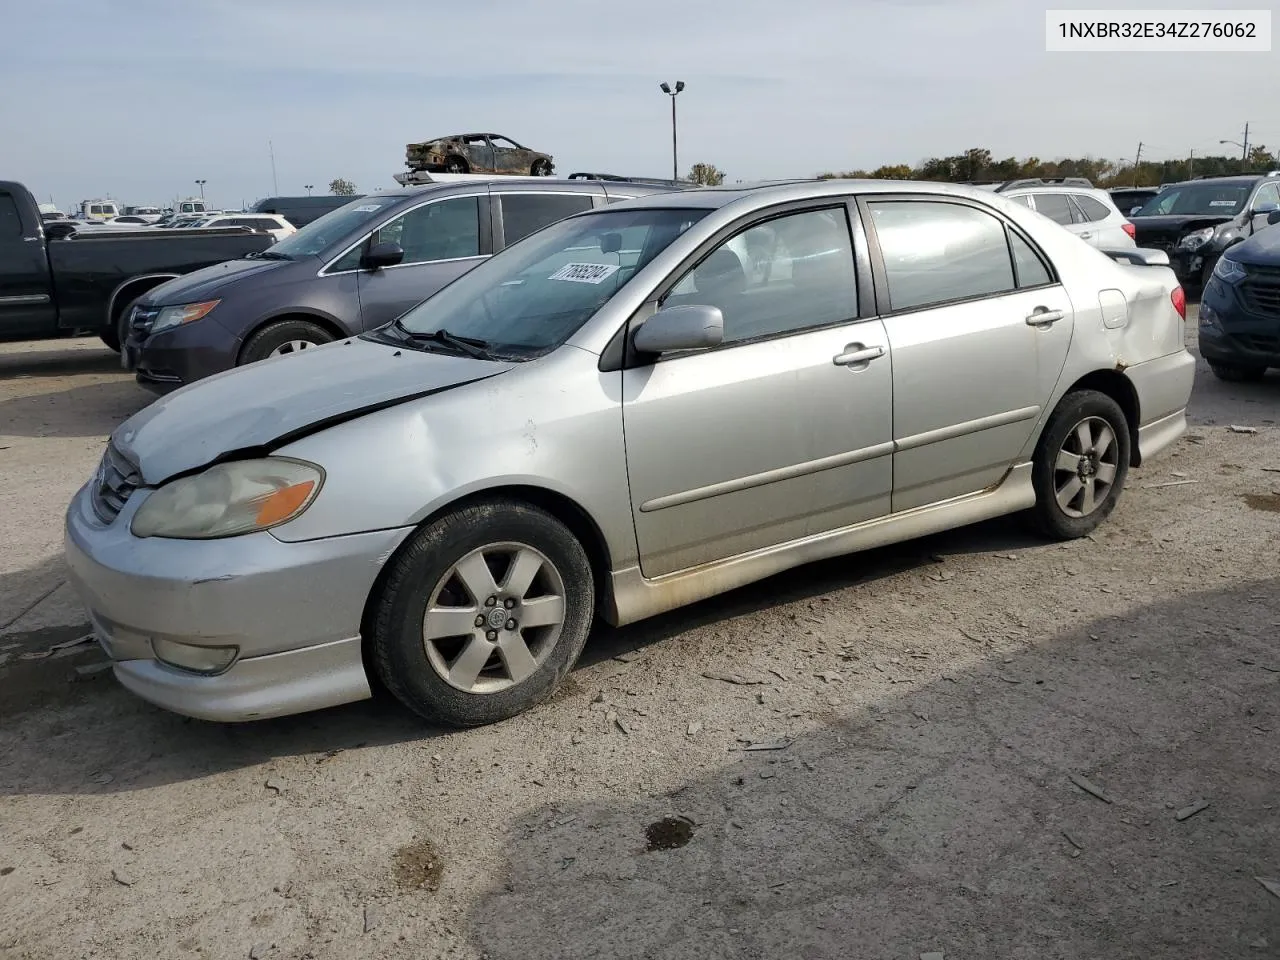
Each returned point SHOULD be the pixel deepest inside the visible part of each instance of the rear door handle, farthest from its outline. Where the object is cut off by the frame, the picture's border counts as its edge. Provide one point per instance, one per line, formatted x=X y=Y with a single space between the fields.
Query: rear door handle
x=856 y=353
x=1086 y=235
x=1042 y=317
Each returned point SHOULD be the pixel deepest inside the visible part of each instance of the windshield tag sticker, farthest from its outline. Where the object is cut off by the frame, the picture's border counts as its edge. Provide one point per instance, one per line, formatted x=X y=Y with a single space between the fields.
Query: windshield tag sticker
x=1222 y=203
x=585 y=272
x=368 y=208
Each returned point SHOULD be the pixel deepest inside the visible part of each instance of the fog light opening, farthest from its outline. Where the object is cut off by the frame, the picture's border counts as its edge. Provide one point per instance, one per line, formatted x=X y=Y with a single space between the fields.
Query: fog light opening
x=205 y=661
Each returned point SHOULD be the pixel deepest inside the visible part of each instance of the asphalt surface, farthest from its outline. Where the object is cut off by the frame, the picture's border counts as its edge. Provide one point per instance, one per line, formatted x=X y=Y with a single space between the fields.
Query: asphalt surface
x=980 y=745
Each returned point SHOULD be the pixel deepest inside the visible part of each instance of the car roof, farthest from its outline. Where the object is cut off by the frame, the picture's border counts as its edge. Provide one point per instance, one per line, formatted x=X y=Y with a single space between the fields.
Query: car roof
x=1239 y=179
x=782 y=191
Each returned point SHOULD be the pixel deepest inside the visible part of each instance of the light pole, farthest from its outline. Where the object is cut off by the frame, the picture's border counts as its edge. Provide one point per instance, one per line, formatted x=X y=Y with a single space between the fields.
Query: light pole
x=666 y=88
x=1244 y=147
x=308 y=187
x=200 y=184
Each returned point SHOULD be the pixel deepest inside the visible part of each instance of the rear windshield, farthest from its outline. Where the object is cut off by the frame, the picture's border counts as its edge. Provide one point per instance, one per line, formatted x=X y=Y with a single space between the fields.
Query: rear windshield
x=1198 y=200
x=326 y=232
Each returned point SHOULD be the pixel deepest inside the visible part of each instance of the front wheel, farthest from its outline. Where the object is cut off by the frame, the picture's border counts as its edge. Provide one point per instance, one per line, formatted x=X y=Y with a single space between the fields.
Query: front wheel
x=482 y=614
x=284 y=337
x=1080 y=465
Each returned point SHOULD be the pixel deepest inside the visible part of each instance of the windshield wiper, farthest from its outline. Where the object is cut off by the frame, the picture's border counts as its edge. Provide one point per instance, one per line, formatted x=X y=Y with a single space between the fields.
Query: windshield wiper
x=267 y=255
x=471 y=346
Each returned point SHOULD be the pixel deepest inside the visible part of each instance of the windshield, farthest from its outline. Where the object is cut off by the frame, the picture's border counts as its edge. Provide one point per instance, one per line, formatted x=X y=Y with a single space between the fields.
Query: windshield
x=336 y=225
x=1198 y=200
x=534 y=295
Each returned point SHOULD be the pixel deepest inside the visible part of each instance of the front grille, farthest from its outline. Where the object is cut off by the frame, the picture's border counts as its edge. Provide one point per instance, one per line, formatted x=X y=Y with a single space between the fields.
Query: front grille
x=1262 y=272
x=1261 y=297
x=115 y=480
x=142 y=318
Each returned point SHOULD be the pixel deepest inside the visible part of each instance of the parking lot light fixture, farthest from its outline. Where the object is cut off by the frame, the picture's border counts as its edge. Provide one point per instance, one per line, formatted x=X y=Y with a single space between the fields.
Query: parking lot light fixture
x=666 y=88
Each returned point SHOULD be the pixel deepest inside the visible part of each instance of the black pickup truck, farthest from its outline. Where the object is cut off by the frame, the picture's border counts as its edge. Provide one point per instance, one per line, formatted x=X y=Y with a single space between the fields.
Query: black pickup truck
x=85 y=281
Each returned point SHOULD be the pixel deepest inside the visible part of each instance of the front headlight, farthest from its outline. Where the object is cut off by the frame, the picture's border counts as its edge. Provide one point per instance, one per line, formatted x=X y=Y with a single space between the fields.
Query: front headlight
x=182 y=313
x=230 y=499
x=1196 y=239
x=1228 y=271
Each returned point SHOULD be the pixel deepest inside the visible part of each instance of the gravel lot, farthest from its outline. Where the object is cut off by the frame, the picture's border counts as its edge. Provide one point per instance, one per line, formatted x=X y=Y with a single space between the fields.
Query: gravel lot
x=942 y=710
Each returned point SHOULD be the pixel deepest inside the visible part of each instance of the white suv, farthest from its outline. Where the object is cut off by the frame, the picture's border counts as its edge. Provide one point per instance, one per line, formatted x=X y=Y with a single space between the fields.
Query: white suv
x=1089 y=213
x=271 y=223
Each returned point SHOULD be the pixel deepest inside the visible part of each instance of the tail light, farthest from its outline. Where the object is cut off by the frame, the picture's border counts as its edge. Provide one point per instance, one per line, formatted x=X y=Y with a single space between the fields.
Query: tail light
x=1179 y=298
x=1130 y=229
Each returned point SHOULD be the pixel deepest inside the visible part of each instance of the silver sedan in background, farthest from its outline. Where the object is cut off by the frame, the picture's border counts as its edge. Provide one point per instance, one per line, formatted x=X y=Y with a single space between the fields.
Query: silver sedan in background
x=630 y=410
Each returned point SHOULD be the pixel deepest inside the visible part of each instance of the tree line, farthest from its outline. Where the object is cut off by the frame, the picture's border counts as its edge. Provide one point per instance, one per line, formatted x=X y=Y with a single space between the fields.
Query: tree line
x=979 y=164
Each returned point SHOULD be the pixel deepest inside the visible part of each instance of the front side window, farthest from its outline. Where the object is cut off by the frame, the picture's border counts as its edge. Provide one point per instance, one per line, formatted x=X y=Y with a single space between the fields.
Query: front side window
x=784 y=275
x=10 y=219
x=531 y=297
x=321 y=235
x=936 y=252
x=1269 y=194
x=444 y=230
x=523 y=213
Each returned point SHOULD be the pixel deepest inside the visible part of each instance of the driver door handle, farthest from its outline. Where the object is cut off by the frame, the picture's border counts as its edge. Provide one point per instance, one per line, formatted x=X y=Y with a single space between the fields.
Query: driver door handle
x=856 y=353
x=1040 y=317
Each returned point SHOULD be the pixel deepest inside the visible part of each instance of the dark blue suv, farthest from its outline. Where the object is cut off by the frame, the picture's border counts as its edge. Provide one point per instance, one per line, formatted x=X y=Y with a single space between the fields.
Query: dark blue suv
x=1240 y=308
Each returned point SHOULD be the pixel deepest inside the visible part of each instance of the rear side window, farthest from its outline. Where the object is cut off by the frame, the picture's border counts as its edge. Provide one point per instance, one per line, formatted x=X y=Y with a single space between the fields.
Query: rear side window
x=935 y=252
x=1093 y=210
x=1032 y=271
x=10 y=221
x=523 y=213
x=1055 y=206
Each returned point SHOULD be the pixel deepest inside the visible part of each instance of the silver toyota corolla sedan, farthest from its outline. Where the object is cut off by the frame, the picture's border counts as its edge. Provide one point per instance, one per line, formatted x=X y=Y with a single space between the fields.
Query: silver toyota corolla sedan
x=630 y=410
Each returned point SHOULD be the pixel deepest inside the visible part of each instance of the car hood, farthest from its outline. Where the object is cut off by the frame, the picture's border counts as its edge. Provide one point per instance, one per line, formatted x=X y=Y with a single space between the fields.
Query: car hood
x=1174 y=227
x=255 y=408
x=1262 y=249
x=206 y=283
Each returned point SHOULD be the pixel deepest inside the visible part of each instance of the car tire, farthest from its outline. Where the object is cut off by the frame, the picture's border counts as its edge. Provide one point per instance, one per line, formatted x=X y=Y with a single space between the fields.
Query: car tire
x=1070 y=505
x=485 y=672
x=1237 y=374
x=283 y=337
x=456 y=165
x=540 y=168
x=111 y=337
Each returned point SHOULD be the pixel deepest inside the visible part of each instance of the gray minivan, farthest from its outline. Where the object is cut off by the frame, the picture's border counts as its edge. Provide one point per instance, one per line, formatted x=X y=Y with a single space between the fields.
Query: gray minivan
x=354 y=269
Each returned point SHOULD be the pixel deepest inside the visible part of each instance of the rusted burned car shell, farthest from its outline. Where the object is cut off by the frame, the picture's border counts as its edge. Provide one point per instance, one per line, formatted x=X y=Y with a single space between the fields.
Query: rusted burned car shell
x=478 y=153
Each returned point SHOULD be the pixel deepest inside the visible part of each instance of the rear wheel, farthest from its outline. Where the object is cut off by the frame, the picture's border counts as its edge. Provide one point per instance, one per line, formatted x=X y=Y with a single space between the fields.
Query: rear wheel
x=455 y=165
x=541 y=168
x=1232 y=373
x=483 y=613
x=1080 y=465
x=283 y=337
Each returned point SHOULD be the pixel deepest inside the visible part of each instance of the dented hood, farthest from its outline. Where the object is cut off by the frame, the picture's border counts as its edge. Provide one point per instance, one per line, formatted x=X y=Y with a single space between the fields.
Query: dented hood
x=265 y=404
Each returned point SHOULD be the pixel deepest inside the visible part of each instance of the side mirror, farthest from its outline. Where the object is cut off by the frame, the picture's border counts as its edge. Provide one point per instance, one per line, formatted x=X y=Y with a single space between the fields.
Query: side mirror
x=1266 y=207
x=1273 y=217
x=381 y=255
x=690 y=326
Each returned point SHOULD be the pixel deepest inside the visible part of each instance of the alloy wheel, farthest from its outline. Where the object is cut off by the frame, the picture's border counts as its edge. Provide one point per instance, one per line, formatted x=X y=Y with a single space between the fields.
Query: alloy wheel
x=1086 y=466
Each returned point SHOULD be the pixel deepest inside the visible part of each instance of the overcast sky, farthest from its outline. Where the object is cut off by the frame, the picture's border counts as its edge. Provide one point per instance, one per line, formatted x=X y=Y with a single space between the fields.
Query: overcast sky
x=137 y=98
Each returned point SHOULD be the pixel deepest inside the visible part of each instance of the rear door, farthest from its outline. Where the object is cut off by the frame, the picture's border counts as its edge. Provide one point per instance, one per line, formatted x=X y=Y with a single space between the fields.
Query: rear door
x=978 y=326
x=1057 y=207
x=442 y=239
x=479 y=153
x=26 y=302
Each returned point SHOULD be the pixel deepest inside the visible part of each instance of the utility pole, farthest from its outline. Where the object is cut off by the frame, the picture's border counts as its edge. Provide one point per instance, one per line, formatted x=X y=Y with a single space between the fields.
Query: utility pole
x=1136 y=160
x=1244 y=152
x=275 y=184
x=1191 y=166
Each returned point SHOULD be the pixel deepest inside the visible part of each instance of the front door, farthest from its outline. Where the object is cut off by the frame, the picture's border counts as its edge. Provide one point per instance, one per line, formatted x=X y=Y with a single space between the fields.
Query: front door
x=783 y=431
x=979 y=329
x=26 y=301
x=442 y=240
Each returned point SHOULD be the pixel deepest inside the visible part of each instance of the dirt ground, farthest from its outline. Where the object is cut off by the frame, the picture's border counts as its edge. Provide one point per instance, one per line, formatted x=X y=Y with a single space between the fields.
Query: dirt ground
x=979 y=745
